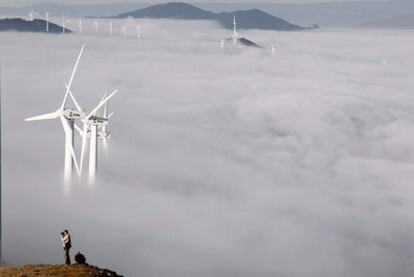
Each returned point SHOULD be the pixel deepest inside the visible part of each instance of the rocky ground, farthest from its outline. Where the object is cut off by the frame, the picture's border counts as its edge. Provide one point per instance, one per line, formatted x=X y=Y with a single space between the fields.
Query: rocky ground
x=75 y=270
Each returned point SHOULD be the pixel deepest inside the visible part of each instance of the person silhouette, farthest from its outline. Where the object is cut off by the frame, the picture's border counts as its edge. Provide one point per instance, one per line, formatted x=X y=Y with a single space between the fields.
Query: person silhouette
x=80 y=258
x=65 y=236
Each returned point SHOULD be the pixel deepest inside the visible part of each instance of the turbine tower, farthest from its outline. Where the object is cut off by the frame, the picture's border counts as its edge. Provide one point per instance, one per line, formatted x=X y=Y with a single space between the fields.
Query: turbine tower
x=124 y=31
x=64 y=25
x=235 y=34
x=273 y=49
x=138 y=30
x=67 y=117
x=110 y=27
x=47 y=22
x=95 y=26
x=80 y=25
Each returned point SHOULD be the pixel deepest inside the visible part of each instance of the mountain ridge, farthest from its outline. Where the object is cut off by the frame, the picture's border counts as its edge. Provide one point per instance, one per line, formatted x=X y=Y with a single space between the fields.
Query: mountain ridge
x=246 y=19
x=35 y=26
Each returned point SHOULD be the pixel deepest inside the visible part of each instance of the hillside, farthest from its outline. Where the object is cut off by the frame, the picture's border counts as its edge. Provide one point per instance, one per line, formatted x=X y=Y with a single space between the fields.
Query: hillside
x=36 y=26
x=247 y=19
x=256 y=19
x=75 y=270
x=171 y=11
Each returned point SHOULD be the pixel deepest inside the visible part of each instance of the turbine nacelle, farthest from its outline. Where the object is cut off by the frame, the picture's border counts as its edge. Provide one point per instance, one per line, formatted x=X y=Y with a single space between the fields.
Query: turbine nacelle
x=73 y=114
x=98 y=121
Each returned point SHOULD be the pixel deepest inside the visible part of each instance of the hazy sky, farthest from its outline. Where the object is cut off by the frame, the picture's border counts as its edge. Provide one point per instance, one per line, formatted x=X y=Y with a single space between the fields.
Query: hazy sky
x=26 y=2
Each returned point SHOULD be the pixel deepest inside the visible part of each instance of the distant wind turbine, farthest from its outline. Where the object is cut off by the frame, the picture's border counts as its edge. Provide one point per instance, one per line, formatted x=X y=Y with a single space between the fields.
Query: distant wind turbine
x=80 y=25
x=64 y=21
x=124 y=30
x=235 y=34
x=111 y=28
x=238 y=42
x=138 y=30
x=32 y=15
x=234 y=37
x=47 y=22
x=273 y=49
x=95 y=26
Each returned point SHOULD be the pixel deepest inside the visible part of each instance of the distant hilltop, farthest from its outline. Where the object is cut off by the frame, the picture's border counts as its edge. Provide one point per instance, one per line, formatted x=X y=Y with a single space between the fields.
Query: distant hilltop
x=248 y=19
x=83 y=270
x=36 y=26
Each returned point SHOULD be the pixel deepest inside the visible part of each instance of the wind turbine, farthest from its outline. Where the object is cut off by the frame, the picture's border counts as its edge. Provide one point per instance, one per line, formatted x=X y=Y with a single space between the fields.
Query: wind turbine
x=32 y=15
x=80 y=25
x=124 y=31
x=91 y=124
x=273 y=49
x=238 y=41
x=47 y=22
x=234 y=37
x=67 y=117
x=64 y=21
x=110 y=27
x=95 y=26
x=235 y=34
x=138 y=30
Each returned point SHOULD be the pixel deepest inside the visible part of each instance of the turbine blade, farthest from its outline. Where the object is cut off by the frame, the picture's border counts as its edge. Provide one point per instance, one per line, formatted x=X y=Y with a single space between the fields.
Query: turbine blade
x=43 y=117
x=105 y=95
x=73 y=98
x=80 y=131
x=71 y=78
x=103 y=101
x=66 y=127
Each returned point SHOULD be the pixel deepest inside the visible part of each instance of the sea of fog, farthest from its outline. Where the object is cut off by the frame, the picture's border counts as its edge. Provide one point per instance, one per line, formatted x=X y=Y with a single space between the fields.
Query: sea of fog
x=222 y=162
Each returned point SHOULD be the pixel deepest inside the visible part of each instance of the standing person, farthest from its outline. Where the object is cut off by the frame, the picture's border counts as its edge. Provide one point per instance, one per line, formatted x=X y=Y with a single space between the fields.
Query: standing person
x=66 y=245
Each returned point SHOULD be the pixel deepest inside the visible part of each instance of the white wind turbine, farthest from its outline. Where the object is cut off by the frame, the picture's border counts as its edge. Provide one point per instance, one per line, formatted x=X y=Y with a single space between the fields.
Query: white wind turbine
x=124 y=31
x=91 y=124
x=47 y=21
x=235 y=34
x=95 y=26
x=80 y=25
x=273 y=49
x=32 y=15
x=64 y=21
x=111 y=27
x=67 y=117
x=138 y=30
